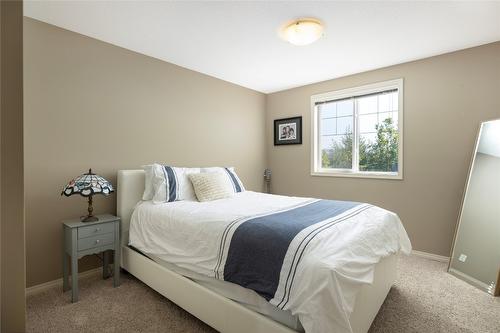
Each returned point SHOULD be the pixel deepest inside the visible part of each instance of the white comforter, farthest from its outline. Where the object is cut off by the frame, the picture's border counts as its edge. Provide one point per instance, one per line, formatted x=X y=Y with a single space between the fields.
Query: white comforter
x=335 y=265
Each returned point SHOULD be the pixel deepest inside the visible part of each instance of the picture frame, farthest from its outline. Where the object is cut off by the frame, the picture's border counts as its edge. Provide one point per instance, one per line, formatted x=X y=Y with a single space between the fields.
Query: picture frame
x=288 y=131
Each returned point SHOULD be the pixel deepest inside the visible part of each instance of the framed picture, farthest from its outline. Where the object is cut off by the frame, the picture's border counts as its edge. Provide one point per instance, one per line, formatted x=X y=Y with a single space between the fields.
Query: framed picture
x=288 y=131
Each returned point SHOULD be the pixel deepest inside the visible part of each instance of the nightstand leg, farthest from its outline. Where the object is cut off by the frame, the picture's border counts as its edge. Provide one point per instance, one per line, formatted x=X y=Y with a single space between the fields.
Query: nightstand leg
x=105 y=264
x=65 y=272
x=74 y=279
x=74 y=267
x=116 y=262
x=116 y=266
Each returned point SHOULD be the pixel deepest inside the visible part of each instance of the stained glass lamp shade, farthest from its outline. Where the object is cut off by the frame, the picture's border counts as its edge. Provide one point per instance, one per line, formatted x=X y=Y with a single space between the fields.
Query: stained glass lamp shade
x=87 y=185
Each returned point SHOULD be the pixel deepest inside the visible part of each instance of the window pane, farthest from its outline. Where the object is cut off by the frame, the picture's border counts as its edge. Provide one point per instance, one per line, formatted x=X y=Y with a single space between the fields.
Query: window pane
x=378 y=134
x=383 y=116
x=395 y=105
x=336 y=152
x=344 y=125
x=385 y=102
x=391 y=117
x=395 y=118
x=327 y=110
x=326 y=141
x=328 y=126
x=367 y=123
x=336 y=134
x=379 y=151
x=365 y=142
x=368 y=104
x=345 y=108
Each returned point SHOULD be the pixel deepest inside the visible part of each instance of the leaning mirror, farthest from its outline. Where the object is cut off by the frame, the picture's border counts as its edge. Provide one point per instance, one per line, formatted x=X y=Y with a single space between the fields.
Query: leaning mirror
x=476 y=251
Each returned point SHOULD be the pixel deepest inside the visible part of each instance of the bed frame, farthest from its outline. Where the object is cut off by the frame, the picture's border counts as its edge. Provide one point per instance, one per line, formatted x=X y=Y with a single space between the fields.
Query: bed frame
x=215 y=310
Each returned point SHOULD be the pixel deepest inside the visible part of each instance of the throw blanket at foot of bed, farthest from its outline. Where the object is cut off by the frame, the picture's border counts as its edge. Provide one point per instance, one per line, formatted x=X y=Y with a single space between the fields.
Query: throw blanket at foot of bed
x=311 y=258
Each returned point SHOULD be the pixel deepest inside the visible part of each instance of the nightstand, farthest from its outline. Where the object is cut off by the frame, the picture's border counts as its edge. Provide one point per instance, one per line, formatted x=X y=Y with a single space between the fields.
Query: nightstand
x=81 y=239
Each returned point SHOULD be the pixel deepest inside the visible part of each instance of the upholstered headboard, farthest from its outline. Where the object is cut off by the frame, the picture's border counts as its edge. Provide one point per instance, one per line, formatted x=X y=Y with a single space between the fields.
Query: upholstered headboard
x=130 y=187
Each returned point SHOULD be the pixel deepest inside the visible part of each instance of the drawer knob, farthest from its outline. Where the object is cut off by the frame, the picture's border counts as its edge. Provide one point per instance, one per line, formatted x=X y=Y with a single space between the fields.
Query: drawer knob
x=97 y=229
x=97 y=241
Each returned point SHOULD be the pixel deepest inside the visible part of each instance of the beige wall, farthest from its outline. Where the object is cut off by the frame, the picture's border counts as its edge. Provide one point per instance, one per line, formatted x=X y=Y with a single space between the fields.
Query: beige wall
x=91 y=104
x=13 y=303
x=445 y=99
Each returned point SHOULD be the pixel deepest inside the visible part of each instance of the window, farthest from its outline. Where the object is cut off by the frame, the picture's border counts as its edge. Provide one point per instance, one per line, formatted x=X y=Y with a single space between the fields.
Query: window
x=358 y=132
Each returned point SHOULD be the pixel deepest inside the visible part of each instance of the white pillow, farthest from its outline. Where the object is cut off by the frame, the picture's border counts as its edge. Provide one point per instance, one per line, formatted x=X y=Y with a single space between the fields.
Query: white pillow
x=211 y=186
x=230 y=174
x=172 y=183
x=148 y=182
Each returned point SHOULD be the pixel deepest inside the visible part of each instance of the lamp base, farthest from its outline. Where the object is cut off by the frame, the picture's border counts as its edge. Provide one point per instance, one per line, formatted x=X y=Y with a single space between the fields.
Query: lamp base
x=89 y=218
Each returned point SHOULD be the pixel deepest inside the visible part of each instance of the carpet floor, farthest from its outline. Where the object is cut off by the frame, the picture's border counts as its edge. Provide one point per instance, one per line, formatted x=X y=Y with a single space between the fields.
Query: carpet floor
x=424 y=299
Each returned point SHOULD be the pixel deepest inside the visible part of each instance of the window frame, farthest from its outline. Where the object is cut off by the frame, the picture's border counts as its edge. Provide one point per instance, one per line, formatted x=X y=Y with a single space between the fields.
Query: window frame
x=316 y=169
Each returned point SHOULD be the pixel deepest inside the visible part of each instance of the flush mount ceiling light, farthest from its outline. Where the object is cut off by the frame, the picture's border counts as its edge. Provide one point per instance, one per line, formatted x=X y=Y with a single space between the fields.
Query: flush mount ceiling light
x=302 y=31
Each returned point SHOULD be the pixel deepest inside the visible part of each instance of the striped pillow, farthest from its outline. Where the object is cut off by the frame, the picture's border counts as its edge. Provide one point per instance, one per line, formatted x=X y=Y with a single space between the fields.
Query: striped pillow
x=172 y=183
x=230 y=174
x=148 y=182
x=210 y=186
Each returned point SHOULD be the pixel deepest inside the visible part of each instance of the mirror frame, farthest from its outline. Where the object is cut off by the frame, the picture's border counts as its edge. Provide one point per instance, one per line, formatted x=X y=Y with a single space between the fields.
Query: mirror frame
x=495 y=292
x=497 y=288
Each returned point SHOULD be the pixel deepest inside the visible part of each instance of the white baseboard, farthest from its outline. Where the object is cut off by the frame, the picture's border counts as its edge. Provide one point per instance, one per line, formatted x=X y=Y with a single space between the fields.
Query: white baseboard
x=59 y=282
x=430 y=256
x=471 y=280
x=47 y=285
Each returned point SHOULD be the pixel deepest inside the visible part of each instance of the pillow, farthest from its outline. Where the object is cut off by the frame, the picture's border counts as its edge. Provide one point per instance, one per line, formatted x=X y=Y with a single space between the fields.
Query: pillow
x=210 y=186
x=230 y=174
x=172 y=183
x=148 y=182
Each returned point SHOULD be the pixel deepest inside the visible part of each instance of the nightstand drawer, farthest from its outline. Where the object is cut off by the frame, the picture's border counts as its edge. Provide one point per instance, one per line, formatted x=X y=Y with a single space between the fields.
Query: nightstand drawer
x=96 y=229
x=96 y=241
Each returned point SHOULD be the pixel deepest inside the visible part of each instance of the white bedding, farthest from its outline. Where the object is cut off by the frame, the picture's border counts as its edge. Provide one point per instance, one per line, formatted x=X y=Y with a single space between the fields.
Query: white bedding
x=336 y=264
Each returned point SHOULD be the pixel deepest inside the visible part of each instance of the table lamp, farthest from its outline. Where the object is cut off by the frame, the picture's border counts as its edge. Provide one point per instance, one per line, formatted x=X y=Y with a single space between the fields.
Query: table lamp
x=87 y=185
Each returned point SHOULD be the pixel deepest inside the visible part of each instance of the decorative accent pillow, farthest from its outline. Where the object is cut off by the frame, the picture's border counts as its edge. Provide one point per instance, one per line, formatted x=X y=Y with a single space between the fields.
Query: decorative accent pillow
x=210 y=186
x=230 y=174
x=148 y=182
x=172 y=183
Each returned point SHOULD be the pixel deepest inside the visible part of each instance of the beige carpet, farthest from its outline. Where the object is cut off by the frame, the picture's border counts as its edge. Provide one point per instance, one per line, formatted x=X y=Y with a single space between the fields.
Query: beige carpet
x=424 y=299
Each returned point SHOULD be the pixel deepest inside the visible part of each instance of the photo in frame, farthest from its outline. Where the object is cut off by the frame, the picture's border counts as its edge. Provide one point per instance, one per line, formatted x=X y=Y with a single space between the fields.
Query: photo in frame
x=288 y=131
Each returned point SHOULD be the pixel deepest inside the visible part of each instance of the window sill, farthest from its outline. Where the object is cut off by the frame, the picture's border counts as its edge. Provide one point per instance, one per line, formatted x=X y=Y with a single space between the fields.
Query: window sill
x=348 y=174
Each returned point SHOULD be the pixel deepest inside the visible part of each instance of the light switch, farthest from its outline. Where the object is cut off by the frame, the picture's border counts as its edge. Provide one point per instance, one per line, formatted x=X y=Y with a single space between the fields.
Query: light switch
x=462 y=258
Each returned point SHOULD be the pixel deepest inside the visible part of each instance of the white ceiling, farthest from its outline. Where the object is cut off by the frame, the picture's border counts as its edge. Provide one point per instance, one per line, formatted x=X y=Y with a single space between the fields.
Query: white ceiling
x=238 y=41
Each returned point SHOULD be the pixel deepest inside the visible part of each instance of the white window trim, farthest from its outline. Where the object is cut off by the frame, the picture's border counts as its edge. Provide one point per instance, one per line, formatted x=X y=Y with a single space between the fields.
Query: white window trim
x=316 y=169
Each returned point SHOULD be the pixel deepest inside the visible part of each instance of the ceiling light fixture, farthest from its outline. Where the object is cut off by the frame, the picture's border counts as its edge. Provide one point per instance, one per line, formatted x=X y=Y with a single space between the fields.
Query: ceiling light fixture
x=302 y=31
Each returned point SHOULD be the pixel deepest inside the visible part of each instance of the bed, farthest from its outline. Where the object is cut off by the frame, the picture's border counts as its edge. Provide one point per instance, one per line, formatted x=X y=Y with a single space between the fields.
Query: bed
x=225 y=306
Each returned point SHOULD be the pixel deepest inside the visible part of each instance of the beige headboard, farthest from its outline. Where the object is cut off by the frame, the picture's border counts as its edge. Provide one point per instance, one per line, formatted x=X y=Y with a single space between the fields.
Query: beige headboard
x=130 y=187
